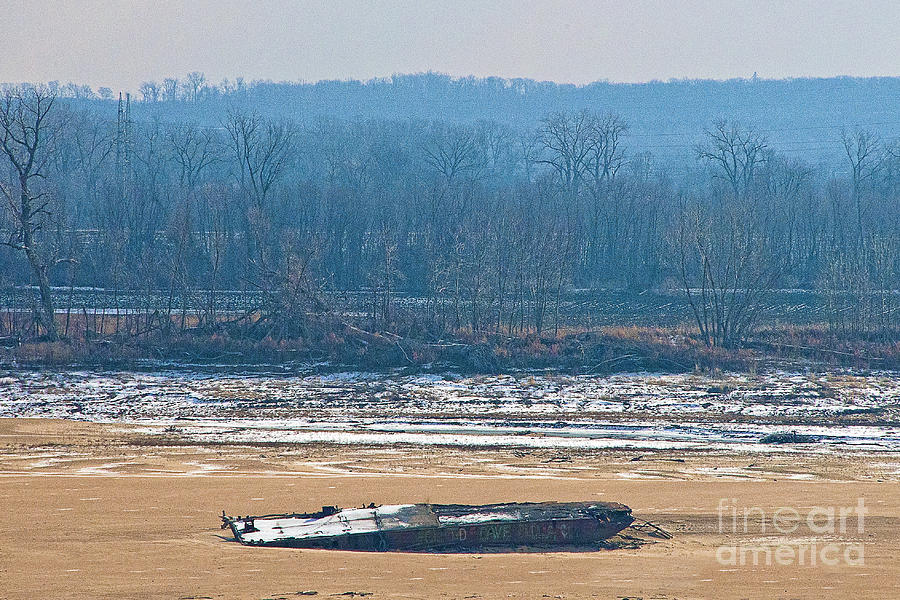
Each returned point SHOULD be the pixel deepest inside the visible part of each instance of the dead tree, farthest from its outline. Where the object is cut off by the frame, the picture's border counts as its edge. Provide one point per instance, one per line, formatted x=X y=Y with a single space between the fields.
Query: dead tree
x=28 y=135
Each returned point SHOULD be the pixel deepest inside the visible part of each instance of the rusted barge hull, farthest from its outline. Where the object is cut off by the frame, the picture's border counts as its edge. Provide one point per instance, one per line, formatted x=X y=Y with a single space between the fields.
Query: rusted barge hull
x=436 y=527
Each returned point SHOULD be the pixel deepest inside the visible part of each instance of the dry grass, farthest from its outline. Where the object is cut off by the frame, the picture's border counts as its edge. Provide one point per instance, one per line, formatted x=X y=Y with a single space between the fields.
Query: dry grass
x=604 y=350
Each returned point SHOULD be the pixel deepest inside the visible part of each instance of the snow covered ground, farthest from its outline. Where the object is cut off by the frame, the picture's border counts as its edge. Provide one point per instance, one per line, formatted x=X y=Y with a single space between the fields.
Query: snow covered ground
x=843 y=411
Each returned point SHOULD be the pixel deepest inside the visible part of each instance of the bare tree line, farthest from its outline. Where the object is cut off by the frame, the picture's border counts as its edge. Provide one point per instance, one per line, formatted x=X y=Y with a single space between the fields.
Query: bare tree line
x=489 y=225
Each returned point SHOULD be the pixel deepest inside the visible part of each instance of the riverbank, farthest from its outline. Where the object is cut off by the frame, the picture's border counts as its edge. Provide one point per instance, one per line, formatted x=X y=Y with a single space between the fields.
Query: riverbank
x=603 y=350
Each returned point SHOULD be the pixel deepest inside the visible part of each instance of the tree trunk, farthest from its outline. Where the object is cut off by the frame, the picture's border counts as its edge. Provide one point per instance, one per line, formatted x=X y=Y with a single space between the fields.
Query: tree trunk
x=47 y=315
x=38 y=267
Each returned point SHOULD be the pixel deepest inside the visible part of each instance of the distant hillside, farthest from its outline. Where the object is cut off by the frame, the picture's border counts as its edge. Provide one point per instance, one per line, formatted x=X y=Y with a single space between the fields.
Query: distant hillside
x=798 y=115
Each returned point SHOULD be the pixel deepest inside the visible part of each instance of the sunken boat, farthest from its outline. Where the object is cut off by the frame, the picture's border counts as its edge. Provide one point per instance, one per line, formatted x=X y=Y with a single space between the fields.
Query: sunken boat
x=436 y=527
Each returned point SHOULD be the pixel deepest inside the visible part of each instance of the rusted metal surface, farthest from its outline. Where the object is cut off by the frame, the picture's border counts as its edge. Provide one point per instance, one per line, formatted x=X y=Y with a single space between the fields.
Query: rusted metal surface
x=436 y=527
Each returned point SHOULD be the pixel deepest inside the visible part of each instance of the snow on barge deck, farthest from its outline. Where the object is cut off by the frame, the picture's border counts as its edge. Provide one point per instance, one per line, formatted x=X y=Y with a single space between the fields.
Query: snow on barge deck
x=436 y=527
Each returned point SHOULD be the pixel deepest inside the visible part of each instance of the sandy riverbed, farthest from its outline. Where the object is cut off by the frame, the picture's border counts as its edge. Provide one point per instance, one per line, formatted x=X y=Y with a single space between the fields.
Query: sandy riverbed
x=105 y=511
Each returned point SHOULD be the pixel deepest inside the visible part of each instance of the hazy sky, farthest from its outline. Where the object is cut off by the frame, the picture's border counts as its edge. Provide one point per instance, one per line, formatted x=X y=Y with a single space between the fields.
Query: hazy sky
x=119 y=43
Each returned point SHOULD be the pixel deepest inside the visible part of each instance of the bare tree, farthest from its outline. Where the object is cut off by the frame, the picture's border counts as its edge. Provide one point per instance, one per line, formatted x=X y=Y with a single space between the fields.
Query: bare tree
x=726 y=269
x=195 y=149
x=454 y=151
x=78 y=92
x=150 y=91
x=193 y=85
x=497 y=143
x=170 y=89
x=529 y=150
x=87 y=147
x=782 y=182
x=568 y=140
x=28 y=135
x=261 y=149
x=865 y=156
x=735 y=152
x=607 y=153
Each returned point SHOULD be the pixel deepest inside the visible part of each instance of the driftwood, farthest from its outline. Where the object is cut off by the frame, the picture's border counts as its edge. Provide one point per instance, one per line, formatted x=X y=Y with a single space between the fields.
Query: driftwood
x=651 y=529
x=763 y=345
x=613 y=360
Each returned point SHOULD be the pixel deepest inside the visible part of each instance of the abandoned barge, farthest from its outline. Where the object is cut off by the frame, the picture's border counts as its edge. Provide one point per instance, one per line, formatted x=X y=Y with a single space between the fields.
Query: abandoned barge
x=436 y=527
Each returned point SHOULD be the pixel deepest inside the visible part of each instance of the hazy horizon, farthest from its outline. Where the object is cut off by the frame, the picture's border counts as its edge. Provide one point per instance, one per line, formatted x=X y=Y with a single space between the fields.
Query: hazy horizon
x=212 y=82
x=119 y=45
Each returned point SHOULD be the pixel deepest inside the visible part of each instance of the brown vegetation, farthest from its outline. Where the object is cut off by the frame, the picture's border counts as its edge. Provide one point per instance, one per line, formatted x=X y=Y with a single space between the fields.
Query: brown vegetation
x=603 y=350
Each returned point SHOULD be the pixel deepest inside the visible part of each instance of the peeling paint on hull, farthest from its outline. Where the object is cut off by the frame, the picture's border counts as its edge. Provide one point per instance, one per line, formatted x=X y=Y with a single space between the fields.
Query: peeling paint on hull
x=447 y=527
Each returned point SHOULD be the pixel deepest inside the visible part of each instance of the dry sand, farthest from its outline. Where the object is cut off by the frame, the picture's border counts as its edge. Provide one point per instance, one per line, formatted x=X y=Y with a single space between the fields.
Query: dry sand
x=103 y=511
